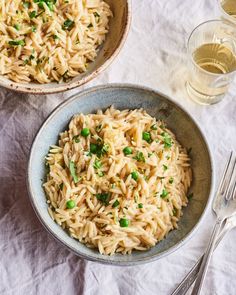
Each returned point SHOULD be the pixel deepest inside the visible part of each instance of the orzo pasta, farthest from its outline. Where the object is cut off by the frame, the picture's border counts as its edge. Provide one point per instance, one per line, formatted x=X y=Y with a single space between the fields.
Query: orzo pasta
x=50 y=40
x=117 y=180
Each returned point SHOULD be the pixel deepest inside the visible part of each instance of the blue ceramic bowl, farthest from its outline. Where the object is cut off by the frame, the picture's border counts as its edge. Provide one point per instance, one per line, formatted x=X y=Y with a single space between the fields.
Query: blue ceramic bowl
x=124 y=96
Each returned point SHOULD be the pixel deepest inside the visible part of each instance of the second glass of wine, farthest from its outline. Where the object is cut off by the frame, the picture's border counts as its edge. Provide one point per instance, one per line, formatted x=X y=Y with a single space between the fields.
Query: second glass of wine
x=212 y=61
x=228 y=10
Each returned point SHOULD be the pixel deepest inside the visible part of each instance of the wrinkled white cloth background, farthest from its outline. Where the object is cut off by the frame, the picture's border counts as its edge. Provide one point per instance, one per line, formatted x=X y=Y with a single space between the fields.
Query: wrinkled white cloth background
x=154 y=55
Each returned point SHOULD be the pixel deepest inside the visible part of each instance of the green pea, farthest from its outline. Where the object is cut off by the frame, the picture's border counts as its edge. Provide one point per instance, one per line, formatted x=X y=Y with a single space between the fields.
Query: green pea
x=70 y=204
x=32 y=14
x=40 y=4
x=147 y=137
x=124 y=222
x=85 y=132
x=127 y=150
x=134 y=175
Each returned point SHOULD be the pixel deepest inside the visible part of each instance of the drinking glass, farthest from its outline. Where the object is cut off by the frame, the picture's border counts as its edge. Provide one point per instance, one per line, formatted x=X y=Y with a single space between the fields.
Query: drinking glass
x=212 y=61
x=228 y=10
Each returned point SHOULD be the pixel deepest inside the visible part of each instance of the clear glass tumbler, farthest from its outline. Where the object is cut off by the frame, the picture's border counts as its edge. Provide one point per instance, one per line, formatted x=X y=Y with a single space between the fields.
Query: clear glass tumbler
x=212 y=61
x=228 y=10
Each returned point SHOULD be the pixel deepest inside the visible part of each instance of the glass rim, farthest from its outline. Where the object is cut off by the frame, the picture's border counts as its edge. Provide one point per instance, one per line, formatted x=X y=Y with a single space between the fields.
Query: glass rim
x=224 y=12
x=191 y=56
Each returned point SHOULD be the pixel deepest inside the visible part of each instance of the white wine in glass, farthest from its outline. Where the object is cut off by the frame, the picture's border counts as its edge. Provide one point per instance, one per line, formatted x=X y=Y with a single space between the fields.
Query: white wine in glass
x=229 y=7
x=215 y=58
x=212 y=56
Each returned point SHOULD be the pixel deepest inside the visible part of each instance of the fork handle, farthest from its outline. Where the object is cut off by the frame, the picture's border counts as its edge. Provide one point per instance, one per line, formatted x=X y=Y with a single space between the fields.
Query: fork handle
x=189 y=279
x=206 y=259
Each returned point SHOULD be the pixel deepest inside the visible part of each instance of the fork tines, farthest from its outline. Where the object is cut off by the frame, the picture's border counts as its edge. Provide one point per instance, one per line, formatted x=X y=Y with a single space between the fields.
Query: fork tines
x=228 y=183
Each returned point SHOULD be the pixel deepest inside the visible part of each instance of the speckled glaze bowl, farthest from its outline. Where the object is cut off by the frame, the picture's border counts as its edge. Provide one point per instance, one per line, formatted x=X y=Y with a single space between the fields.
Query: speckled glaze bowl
x=124 y=96
x=118 y=30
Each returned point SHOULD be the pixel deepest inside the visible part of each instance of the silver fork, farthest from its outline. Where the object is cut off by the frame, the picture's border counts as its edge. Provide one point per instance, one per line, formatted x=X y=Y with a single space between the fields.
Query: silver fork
x=224 y=206
x=189 y=279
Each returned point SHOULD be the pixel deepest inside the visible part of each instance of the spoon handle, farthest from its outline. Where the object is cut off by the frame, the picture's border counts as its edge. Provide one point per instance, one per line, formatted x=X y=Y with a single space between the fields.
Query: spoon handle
x=206 y=259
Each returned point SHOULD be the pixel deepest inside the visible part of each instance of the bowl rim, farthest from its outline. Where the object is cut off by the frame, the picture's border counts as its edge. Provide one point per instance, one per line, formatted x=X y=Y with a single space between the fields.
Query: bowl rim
x=27 y=88
x=104 y=260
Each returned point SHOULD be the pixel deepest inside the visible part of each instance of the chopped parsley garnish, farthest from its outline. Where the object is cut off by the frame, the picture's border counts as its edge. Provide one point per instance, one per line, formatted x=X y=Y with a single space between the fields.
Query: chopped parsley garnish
x=47 y=2
x=31 y=57
x=93 y=148
x=65 y=76
x=103 y=198
x=190 y=196
x=26 y=4
x=97 y=164
x=76 y=138
x=68 y=24
x=32 y=14
x=171 y=180
x=88 y=154
x=96 y=14
x=16 y=42
x=98 y=128
x=33 y=29
x=17 y=27
x=47 y=167
x=140 y=205
x=105 y=149
x=145 y=177
x=99 y=149
x=73 y=171
x=164 y=193
x=150 y=154
x=154 y=127
x=50 y=5
x=166 y=140
x=175 y=212
x=189 y=150
x=55 y=37
x=165 y=167
x=116 y=204
x=100 y=174
x=139 y=157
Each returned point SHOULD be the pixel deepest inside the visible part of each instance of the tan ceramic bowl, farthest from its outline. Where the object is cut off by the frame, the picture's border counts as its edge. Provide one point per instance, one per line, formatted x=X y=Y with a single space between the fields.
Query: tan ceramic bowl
x=115 y=39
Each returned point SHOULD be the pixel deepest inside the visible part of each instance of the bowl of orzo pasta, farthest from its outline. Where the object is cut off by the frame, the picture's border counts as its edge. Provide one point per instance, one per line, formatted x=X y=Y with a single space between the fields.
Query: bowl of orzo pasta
x=120 y=174
x=49 y=46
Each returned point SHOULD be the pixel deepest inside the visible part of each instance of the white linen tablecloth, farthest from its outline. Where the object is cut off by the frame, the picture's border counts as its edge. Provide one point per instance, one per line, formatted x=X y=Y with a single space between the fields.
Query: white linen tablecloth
x=154 y=55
